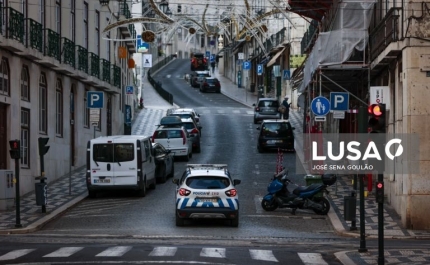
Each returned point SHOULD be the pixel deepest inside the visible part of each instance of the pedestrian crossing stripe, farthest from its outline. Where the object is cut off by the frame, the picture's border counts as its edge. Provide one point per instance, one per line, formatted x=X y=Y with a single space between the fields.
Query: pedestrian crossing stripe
x=119 y=251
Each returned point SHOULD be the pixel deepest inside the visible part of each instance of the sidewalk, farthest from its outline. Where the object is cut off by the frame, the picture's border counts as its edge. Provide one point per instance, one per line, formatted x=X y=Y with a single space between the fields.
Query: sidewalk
x=144 y=123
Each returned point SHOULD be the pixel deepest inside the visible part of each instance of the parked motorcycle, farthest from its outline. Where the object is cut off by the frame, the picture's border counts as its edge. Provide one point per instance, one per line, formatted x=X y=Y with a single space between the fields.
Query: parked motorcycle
x=302 y=197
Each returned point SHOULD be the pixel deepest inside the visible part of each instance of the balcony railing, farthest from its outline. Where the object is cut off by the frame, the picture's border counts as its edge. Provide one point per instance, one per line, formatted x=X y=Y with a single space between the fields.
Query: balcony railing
x=82 y=59
x=124 y=10
x=105 y=70
x=94 y=65
x=309 y=37
x=132 y=30
x=35 y=30
x=52 y=48
x=116 y=76
x=69 y=52
x=386 y=32
x=14 y=24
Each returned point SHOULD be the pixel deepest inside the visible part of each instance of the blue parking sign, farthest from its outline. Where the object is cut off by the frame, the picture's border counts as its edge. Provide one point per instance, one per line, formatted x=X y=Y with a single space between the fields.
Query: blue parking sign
x=95 y=99
x=208 y=54
x=246 y=65
x=212 y=59
x=259 y=69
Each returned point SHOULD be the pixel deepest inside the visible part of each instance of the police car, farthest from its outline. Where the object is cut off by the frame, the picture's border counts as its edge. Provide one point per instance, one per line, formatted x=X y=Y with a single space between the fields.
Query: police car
x=206 y=191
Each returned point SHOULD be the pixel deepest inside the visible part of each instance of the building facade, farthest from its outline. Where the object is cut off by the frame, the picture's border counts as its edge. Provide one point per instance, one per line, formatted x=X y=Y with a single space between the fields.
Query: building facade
x=52 y=53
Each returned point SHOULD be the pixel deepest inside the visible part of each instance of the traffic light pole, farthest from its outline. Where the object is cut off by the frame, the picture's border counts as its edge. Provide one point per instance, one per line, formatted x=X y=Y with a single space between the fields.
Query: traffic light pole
x=381 y=260
x=18 y=203
x=42 y=174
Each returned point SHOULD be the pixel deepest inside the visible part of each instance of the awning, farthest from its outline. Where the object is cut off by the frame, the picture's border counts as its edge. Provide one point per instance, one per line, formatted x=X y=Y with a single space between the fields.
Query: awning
x=274 y=58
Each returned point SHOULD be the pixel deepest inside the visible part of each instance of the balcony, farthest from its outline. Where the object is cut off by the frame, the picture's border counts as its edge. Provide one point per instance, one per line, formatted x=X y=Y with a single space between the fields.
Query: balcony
x=384 y=34
x=309 y=38
x=131 y=44
x=82 y=62
x=124 y=13
x=52 y=51
x=94 y=65
x=12 y=28
x=105 y=70
x=116 y=76
x=69 y=53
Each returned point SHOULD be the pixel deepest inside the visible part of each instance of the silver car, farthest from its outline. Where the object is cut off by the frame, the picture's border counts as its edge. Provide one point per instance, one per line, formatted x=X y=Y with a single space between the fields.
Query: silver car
x=266 y=109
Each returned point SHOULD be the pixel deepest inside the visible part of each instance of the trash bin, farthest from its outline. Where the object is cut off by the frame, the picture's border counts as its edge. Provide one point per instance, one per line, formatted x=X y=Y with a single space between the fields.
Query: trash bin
x=314 y=179
x=252 y=89
x=349 y=207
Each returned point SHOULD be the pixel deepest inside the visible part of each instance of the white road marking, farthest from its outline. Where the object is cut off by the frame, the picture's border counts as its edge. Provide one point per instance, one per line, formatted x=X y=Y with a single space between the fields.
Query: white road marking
x=213 y=252
x=312 y=259
x=16 y=254
x=163 y=251
x=259 y=254
x=114 y=252
x=63 y=252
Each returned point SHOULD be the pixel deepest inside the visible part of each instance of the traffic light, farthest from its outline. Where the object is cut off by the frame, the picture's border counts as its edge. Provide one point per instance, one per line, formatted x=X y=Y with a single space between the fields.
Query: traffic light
x=43 y=149
x=379 y=192
x=15 y=149
x=377 y=120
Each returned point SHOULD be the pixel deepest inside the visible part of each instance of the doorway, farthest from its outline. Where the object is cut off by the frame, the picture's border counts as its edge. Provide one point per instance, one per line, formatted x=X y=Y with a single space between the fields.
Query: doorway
x=3 y=136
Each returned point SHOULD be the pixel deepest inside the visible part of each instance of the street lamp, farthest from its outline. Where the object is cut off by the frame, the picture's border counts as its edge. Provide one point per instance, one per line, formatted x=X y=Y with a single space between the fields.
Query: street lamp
x=168 y=12
x=220 y=42
x=104 y=2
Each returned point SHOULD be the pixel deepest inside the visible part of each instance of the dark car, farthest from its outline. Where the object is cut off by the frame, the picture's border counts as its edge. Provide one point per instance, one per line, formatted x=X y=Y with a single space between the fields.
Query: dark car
x=197 y=77
x=275 y=134
x=210 y=84
x=266 y=108
x=164 y=162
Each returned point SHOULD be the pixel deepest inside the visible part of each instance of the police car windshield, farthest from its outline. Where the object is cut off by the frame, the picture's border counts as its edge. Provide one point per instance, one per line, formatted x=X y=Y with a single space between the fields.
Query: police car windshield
x=207 y=182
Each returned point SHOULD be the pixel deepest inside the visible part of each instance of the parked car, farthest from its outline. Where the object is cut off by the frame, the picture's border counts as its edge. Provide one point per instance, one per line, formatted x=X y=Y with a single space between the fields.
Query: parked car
x=197 y=77
x=266 y=108
x=275 y=134
x=184 y=114
x=164 y=162
x=199 y=62
x=206 y=191
x=179 y=111
x=194 y=132
x=210 y=84
x=174 y=137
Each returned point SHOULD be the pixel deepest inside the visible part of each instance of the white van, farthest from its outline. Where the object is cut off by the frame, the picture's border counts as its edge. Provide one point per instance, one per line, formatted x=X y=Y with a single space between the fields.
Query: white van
x=120 y=162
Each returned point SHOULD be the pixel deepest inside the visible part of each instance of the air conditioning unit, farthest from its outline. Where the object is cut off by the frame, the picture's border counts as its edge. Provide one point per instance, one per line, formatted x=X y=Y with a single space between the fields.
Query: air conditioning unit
x=7 y=190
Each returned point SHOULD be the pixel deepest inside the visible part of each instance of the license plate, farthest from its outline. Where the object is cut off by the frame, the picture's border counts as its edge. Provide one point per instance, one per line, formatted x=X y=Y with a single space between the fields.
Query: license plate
x=274 y=141
x=207 y=200
x=102 y=181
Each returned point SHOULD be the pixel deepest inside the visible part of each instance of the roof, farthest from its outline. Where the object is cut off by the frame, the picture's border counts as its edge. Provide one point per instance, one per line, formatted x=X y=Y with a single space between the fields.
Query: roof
x=276 y=121
x=208 y=169
x=171 y=120
x=120 y=138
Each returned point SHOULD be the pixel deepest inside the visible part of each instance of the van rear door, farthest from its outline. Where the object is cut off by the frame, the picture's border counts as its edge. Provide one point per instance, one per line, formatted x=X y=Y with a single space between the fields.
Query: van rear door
x=114 y=163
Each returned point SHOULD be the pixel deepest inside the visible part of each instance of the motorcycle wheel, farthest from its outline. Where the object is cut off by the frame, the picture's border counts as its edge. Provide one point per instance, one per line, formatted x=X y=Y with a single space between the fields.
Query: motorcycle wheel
x=268 y=205
x=325 y=206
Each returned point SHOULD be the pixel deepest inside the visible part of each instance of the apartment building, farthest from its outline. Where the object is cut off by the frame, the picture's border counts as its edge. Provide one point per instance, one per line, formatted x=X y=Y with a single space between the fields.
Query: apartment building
x=52 y=53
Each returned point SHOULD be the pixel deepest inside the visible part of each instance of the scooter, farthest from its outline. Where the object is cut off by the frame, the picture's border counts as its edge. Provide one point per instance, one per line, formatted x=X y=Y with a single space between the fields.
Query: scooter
x=302 y=197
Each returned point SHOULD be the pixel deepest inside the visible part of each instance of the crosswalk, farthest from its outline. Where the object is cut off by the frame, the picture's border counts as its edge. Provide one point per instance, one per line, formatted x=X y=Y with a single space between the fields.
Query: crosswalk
x=263 y=255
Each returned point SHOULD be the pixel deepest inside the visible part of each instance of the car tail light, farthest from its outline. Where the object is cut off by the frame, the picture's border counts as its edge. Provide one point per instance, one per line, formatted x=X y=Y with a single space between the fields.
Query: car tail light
x=205 y=84
x=184 y=138
x=217 y=84
x=257 y=109
x=231 y=193
x=195 y=131
x=184 y=192
x=154 y=135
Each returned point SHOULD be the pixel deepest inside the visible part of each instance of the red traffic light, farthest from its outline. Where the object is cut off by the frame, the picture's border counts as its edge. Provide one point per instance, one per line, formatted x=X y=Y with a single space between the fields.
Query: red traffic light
x=375 y=110
x=379 y=185
x=14 y=145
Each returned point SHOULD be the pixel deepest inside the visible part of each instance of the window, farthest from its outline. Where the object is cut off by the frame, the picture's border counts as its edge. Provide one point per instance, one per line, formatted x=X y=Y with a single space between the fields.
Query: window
x=113 y=153
x=97 y=30
x=59 y=109
x=108 y=43
x=58 y=16
x=25 y=90
x=42 y=13
x=43 y=105
x=25 y=137
x=86 y=111
x=4 y=77
x=73 y=19
x=85 y=16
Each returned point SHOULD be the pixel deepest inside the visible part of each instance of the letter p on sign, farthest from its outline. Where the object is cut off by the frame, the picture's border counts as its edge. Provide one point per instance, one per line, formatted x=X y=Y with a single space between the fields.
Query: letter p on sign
x=339 y=101
x=95 y=99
